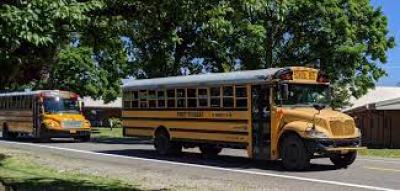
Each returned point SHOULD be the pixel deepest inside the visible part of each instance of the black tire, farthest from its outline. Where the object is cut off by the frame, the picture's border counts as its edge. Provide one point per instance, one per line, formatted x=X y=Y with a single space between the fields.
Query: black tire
x=210 y=150
x=164 y=146
x=85 y=138
x=343 y=160
x=294 y=154
x=41 y=136
x=7 y=134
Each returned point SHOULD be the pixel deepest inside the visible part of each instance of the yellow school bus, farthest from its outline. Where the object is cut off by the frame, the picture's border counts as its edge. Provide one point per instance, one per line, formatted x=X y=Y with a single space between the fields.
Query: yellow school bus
x=277 y=113
x=43 y=114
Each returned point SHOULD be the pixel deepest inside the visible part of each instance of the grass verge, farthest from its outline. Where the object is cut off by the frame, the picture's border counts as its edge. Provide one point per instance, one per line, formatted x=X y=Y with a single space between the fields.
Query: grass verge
x=107 y=133
x=382 y=153
x=22 y=174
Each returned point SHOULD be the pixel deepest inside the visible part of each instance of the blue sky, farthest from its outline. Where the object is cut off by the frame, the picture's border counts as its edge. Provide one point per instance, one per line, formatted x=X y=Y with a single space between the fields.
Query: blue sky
x=391 y=8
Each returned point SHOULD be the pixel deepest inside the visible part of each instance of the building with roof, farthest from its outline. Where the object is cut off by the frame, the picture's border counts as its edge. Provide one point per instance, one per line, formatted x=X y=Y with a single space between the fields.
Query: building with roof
x=99 y=113
x=377 y=114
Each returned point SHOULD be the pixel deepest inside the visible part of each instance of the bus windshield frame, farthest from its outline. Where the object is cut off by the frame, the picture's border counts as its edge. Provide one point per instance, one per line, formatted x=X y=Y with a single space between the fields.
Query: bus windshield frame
x=305 y=95
x=60 y=105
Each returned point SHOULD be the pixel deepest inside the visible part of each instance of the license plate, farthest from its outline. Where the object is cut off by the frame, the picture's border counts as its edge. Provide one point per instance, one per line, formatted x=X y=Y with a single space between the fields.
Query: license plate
x=72 y=131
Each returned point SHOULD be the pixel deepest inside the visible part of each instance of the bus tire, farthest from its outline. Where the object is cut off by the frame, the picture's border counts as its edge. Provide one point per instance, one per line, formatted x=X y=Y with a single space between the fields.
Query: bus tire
x=210 y=150
x=294 y=154
x=85 y=138
x=7 y=134
x=343 y=160
x=41 y=136
x=162 y=143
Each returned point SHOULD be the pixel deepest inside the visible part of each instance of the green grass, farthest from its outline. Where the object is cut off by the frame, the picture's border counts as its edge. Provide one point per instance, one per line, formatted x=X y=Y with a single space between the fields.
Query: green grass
x=107 y=133
x=21 y=174
x=384 y=153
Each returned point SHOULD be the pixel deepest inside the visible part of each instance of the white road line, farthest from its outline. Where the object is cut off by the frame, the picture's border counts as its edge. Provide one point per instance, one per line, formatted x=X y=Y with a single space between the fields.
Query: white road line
x=337 y=183
x=383 y=160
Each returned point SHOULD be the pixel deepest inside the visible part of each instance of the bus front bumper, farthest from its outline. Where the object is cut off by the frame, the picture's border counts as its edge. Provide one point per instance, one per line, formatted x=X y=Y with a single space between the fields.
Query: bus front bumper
x=67 y=133
x=330 y=146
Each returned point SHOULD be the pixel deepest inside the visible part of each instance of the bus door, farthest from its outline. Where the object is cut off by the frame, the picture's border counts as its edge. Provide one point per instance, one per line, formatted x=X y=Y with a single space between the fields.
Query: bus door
x=261 y=120
x=37 y=112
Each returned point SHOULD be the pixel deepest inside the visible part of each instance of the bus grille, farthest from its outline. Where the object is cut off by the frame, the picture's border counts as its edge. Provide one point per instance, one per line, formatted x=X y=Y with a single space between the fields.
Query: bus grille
x=342 y=128
x=72 y=124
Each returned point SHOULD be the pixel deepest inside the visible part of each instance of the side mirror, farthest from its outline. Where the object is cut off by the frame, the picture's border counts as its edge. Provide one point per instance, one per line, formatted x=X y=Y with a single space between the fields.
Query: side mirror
x=285 y=91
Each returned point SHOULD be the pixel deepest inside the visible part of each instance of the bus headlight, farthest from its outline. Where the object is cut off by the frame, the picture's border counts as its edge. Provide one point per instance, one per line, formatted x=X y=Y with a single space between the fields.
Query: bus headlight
x=52 y=124
x=86 y=124
x=313 y=133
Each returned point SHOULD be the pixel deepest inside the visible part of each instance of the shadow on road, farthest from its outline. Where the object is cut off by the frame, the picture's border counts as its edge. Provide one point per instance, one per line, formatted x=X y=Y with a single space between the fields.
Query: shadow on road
x=40 y=184
x=125 y=140
x=224 y=161
x=100 y=139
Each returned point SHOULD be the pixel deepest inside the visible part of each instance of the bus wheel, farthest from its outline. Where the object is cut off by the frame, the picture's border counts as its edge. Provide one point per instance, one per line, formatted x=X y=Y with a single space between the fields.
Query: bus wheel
x=41 y=136
x=162 y=144
x=7 y=134
x=294 y=154
x=85 y=138
x=210 y=150
x=343 y=160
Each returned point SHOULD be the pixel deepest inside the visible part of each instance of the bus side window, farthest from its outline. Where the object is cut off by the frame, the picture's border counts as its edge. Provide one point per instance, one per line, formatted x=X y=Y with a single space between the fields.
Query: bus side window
x=1 y=103
x=192 y=98
x=135 y=99
x=143 y=99
x=127 y=99
x=171 y=98
x=181 y=97
x=215 y=96
x=152 y=99
x=161 y=98
x=228 y=96
x=241 y=96
x=203 y=97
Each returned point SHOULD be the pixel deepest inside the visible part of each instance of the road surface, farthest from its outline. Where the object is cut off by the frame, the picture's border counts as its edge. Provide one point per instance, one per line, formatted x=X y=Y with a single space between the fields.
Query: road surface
x=231 y=170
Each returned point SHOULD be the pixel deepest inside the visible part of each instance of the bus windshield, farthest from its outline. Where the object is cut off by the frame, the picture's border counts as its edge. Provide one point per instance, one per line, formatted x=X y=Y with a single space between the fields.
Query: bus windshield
x=308 y=95
x=60 y=105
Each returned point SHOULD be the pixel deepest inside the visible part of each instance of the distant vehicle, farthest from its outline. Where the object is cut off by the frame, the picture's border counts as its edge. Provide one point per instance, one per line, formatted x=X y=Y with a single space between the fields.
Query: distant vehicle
x=277 y=113
x=43 y=114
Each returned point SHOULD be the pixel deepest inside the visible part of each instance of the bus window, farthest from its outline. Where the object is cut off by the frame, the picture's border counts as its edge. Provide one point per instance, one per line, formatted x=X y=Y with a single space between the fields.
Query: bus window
x=215 y=97
x=143 y=98
x=181 y=97
x=228 y=96
x=171 y=98
x=135 y=99
x=127 y=99
x=161 y=98
x=241 y=97
x=152 y=99
x=192 y=98
x=203 y=97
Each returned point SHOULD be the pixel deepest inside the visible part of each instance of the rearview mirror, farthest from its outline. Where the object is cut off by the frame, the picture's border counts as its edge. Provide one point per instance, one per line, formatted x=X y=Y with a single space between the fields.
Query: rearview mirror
x=285 y=91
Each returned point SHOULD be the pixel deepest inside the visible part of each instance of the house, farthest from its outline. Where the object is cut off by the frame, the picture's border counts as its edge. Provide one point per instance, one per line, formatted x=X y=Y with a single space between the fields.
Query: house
x=377 y=114
x=99 y=113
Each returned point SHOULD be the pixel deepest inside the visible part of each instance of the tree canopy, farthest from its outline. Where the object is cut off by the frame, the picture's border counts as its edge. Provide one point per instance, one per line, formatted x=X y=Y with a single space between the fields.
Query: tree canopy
x=88 y=46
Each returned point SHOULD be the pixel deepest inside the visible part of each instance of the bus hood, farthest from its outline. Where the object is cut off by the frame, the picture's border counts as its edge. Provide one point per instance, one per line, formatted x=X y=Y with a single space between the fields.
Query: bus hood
x=337 y=124
x=64 y=117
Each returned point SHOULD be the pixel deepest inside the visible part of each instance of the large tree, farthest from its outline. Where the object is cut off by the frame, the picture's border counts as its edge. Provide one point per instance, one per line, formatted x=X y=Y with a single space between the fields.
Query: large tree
x=63 y=44
x=87 y=46
x=347 y=39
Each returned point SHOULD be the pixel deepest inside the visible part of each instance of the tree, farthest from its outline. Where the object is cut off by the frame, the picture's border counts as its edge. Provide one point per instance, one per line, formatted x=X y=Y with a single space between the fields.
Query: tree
x=88 y=45
x=346 y=39
x=57 y=44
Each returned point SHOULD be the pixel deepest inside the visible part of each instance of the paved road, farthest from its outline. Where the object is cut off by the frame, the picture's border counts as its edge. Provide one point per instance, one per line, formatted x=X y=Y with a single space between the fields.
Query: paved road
x=231 y=166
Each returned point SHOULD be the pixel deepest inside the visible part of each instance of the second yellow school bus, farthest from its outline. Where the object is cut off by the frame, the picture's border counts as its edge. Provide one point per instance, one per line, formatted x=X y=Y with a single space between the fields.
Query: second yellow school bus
x=277 y=113
x=43 y=114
